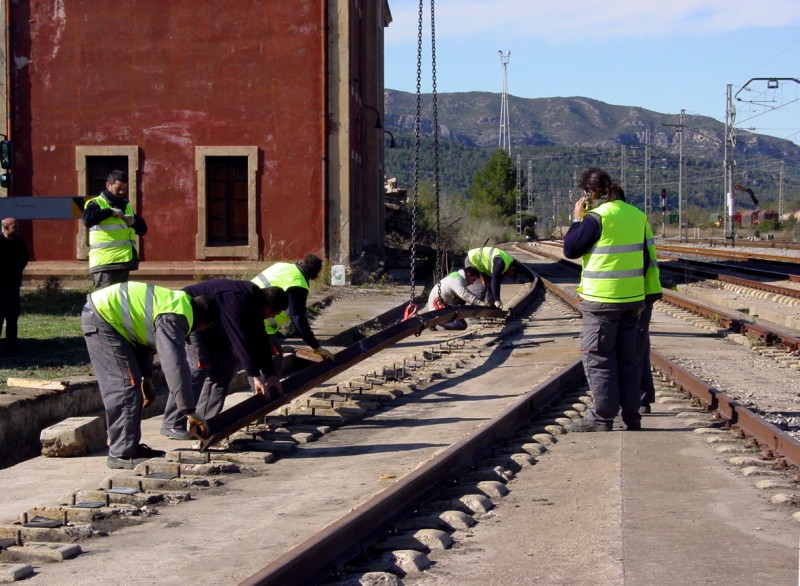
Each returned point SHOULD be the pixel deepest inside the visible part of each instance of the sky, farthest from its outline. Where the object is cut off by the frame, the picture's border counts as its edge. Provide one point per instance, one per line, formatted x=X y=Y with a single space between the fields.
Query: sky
x=662 y=55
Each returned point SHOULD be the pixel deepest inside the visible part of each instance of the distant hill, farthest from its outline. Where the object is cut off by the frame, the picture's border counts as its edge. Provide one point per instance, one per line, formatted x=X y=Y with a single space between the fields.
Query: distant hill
x=561 y=136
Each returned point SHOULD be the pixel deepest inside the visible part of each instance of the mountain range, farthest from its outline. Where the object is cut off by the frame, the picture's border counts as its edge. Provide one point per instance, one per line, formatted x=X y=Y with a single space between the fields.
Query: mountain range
x=561 y=135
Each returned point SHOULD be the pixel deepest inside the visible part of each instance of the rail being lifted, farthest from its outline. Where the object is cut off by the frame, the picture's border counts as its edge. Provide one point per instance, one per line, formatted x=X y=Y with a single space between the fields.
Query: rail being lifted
x=251 y=409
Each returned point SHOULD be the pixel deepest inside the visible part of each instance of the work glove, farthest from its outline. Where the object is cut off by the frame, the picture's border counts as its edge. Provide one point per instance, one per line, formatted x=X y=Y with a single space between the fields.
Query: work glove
x=148 y=391
x=197 y=426
x=129 y=220
x=498 y=304
x=117 y=213
x=485 y=303
x=326 y=354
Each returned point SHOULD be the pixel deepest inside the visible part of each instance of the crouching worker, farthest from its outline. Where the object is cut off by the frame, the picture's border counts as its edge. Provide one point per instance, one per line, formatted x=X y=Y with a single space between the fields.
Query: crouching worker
x=452 y=290
x=124 y=325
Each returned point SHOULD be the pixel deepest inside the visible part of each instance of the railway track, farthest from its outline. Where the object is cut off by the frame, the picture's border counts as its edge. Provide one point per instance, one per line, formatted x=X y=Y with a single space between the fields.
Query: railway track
x=415 y=444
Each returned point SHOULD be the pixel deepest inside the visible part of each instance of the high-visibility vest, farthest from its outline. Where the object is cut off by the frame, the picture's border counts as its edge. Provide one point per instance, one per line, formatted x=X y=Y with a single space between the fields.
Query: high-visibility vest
x=132 y=308
x=282 y=275
x=613 y=269
x=652 y=276
x=483 y=258
x=111 y=241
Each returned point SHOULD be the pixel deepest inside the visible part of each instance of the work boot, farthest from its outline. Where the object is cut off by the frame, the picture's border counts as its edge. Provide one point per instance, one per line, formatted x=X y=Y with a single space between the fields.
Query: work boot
x=146 y=452
x=116 y=463
x=588 y=425
x=176 y=433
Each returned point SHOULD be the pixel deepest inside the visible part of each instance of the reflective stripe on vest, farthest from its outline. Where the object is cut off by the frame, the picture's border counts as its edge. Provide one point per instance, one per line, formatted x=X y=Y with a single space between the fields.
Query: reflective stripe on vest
x=483 y=258
x=132 y=308
x=613 y=269
x=652 y=276
x=111 y=241
x=282 y=275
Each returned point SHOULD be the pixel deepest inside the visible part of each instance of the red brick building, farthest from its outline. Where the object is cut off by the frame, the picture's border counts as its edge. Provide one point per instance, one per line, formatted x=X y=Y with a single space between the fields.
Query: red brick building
x=249 y=128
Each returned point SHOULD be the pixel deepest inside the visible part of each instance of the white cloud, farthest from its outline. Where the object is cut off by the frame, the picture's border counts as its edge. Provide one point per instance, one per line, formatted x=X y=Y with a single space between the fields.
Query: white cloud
x=564 y=20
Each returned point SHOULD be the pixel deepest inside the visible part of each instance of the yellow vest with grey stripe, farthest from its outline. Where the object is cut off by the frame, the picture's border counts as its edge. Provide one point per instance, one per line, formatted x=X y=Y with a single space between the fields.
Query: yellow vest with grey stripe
x=282 y=275
x=132 y=308
x=613 y=269
x=483 y=258
x=111 y=241
x=652 y=276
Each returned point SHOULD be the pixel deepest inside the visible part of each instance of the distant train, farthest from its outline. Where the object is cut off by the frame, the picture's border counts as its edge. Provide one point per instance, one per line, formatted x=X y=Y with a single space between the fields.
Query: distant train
x=747 y=218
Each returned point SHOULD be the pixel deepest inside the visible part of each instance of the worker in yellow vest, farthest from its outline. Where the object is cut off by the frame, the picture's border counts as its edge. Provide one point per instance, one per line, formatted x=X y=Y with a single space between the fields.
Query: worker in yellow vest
x=611 y=236
x=294 y=279
x=493 y=264
x=124 y=325
x=113 y=227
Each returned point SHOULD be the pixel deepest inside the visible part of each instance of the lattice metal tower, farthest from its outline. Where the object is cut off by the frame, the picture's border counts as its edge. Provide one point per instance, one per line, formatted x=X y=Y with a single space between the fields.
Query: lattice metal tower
x=519 y=195
x=505 y=137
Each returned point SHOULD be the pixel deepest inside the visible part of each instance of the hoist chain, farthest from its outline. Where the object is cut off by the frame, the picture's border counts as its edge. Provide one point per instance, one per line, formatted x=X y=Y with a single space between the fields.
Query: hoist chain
x=415 y=188
x=440 y=266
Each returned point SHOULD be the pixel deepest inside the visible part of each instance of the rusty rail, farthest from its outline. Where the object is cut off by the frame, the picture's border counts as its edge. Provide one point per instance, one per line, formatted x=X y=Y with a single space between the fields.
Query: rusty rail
x=738 y=415
x=312 y=561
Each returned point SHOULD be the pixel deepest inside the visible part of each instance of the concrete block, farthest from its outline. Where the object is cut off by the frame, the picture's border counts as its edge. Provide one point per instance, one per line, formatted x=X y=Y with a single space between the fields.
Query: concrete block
x=45 y=552
x=75 y=436
x=13 y=572
x=401 y=562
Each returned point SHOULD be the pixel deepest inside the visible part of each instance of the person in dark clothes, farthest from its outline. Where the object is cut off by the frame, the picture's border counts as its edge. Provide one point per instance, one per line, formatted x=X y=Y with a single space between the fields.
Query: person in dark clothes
x=294 y=278
x=113 y=228
x=611 y=236
x=13 y=259
x=239 y=334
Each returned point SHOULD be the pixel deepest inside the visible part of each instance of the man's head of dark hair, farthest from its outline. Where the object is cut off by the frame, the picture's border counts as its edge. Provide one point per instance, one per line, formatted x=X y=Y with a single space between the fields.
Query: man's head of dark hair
x=311 y=265
x=117 y=175
x=471 y=272
x=205 y=311
x=275 y=298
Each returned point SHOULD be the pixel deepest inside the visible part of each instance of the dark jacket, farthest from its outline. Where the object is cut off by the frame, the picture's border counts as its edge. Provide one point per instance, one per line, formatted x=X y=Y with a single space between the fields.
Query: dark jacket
x=13 y=259
x=242 y=321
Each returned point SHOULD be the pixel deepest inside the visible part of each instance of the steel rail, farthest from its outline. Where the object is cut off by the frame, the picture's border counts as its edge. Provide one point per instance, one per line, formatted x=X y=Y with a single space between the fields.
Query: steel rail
x=253 y=408
x=716 y=265
x=720 y=253
x=315 y=559
x=684 y=267
x=765 y=433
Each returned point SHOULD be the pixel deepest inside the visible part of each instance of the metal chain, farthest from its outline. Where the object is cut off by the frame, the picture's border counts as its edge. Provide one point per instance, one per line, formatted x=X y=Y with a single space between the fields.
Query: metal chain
x=440 y=266
x=415 y=189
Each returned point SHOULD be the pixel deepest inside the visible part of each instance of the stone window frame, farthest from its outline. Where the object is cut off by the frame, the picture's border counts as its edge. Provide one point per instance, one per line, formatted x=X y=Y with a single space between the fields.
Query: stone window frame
x=81 y=154
x=247 y=251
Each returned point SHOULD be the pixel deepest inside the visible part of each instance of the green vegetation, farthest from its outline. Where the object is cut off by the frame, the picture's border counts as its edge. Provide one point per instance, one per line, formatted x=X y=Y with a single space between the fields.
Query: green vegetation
x=50 y=336
x=559 y=137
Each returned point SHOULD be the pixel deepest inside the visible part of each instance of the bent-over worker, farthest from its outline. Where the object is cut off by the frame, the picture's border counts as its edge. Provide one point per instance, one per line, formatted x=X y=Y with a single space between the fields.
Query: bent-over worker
x=493 y=264
x=240 y=335
x=124 y=325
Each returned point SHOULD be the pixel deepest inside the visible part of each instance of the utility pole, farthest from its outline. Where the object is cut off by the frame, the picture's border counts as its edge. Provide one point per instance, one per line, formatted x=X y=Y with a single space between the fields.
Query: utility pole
x=730 y=143
x=622 y=180
x=519 y=196
x=780 y=196
x=683 y=204
x=530 y=186
x=647 y=187
x=682 y=200
x=505 y=137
